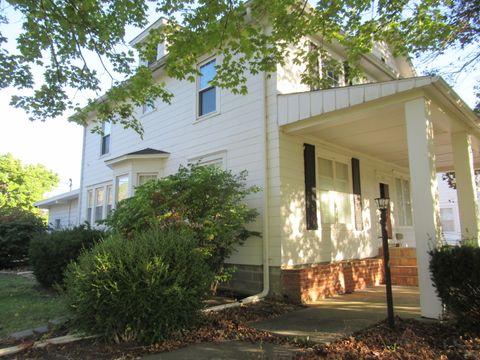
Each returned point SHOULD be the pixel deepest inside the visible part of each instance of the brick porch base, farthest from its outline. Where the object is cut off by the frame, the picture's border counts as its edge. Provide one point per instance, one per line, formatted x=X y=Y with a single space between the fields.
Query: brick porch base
x=318 y=281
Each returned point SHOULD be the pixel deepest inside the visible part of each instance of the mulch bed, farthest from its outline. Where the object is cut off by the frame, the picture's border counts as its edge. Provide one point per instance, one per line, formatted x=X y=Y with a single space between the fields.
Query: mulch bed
x=410 y=340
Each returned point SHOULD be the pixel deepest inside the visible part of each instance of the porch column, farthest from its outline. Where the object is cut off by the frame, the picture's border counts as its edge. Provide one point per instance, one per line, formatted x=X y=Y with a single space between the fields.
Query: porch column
x=421 y=157
x=466 y=187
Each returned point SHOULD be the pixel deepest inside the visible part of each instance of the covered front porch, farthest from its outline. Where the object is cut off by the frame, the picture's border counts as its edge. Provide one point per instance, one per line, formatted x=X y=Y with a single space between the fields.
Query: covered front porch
x=413 y=128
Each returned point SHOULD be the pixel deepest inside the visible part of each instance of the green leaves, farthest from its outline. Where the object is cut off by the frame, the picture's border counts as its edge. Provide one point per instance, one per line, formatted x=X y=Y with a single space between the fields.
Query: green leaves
x=74 y=43
x=22 y=185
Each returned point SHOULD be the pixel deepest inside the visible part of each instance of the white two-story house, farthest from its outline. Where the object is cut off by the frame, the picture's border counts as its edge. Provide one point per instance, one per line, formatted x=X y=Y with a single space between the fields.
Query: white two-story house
x=321 y=158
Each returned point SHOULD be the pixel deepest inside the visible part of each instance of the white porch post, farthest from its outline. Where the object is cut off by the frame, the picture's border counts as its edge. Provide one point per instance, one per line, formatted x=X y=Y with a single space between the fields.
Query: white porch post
x=466 y=187
x=421 y=158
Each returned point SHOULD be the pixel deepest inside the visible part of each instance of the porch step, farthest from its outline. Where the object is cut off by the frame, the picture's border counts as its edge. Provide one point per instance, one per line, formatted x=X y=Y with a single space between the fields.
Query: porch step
x=403 y=266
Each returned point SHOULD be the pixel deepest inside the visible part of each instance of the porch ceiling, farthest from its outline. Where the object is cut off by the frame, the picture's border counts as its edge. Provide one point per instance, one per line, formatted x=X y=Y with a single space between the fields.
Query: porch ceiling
x=376 y=127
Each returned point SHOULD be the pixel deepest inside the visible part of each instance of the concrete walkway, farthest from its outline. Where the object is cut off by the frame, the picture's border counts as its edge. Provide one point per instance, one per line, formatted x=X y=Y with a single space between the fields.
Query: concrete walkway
x=323 y=321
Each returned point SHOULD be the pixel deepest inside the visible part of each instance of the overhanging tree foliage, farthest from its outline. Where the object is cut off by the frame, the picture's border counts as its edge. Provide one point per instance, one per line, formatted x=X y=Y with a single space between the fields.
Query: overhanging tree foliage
x=57 y=35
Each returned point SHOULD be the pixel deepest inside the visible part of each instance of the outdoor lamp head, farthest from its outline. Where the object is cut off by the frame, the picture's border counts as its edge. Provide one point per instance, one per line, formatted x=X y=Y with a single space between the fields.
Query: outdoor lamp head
x=382 y=203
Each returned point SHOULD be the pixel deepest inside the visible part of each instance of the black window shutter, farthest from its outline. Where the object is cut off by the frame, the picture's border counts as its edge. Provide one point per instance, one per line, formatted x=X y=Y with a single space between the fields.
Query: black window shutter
x=357 y=194
x=310 y=186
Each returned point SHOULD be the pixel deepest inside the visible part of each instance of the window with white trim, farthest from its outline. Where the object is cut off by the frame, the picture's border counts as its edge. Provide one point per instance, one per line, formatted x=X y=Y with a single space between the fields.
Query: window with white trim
x=99 y=203
x=58 y=223
x=447 y=219
x=89 y=205
x=217 y=159
x=147 y=108
x=144 y=177
x=335 y=197
x=106 y=131
x=207 y=93
x=403 y=206
x=122 y=185
x=109 y=198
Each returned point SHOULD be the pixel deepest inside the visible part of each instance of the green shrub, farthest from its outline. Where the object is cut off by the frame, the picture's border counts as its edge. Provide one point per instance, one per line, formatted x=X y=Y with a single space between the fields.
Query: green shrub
x=455 y=272
x=17 y=228
x=138 y=290
x=206 y=199
x=50 y=253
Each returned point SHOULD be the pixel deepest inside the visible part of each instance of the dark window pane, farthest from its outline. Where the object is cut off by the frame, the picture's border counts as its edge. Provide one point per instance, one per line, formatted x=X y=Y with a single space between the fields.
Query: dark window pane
x=105 y=144
x=207 y=101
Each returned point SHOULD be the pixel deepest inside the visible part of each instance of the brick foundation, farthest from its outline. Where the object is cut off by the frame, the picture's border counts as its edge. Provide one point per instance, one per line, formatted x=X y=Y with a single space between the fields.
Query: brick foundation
x=318 y=281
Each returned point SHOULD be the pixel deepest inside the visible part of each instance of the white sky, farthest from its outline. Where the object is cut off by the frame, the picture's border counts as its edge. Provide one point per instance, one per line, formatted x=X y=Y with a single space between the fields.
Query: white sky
x=57 y=144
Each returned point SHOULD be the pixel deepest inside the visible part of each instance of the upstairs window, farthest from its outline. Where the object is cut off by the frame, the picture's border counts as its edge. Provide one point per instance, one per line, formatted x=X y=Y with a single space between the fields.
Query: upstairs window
x=207 y=97
x=106 y=130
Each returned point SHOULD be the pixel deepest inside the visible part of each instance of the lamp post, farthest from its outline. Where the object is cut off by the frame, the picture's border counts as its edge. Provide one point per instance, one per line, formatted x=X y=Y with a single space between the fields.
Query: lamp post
x=383 y=204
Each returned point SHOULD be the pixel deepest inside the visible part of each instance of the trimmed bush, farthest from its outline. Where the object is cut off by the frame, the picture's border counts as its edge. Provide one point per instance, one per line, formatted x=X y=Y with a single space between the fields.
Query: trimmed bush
x=206 y=199
x=17 y=228
x=455 y=272
x=140 y=290
x=50 y=253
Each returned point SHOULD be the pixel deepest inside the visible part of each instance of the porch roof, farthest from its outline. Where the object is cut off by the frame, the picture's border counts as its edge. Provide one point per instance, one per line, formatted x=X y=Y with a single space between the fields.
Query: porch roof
x=370 y=118
x=58 y=199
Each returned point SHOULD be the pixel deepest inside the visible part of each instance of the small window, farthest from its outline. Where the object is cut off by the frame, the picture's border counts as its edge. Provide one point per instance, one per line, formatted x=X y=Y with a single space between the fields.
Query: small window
x=106 y=131
x=207 y=97
x=122 y=188
x=147 y=108
x=58 y=223
x=99 y=202
x=109 y=198
x=143 y=178
x=89 y=205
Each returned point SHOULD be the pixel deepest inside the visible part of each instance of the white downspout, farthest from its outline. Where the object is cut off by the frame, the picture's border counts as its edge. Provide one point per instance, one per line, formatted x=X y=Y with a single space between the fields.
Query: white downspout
x=82 y=171
x=266 y=204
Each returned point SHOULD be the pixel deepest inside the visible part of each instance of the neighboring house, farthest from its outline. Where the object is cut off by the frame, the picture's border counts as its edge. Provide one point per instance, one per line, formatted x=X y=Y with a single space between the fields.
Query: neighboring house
x=62 y=209
x=321 y=158
x=449 y=214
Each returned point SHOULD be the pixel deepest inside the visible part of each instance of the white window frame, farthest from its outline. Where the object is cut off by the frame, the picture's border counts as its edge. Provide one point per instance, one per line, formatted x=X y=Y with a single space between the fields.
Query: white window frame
x=140 y=174
x=148 y=109
x=93 y=190
x=218 y=157
x=127 y=175
x=351 y=222
x=442 y=220
x=199 y=90
x=106 y=135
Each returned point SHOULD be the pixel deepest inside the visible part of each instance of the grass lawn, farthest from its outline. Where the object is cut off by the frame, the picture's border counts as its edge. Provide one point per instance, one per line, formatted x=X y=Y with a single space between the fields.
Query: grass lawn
x=24 y=305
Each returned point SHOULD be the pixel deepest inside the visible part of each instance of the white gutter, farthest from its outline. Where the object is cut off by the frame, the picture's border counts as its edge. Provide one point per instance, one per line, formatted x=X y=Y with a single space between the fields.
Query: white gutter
x=266 y=204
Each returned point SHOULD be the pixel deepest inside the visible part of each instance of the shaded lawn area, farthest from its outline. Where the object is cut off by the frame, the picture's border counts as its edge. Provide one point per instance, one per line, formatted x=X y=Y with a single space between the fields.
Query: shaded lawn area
x=24 y=304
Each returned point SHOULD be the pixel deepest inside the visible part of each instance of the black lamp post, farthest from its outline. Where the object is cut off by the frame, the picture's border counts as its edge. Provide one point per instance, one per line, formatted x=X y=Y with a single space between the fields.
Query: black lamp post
x=383 y=204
